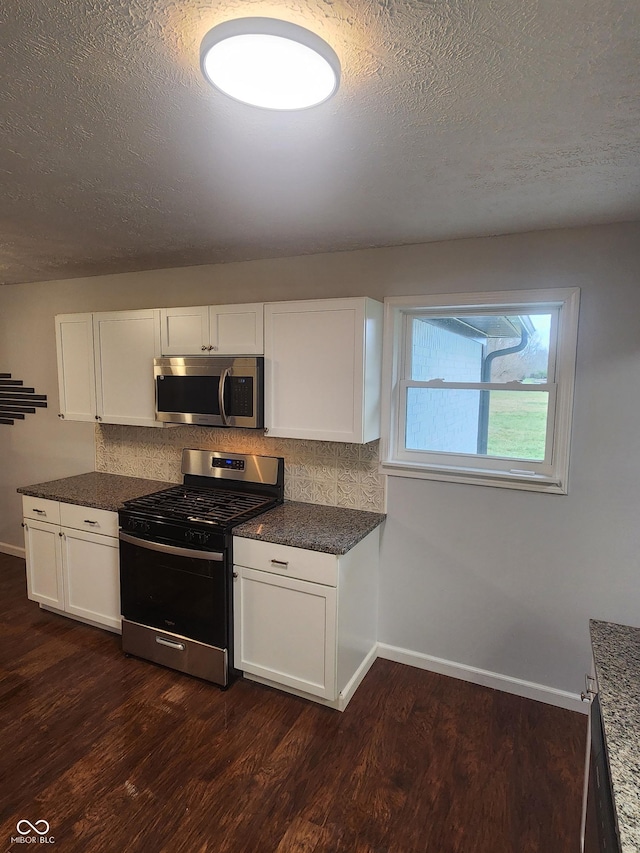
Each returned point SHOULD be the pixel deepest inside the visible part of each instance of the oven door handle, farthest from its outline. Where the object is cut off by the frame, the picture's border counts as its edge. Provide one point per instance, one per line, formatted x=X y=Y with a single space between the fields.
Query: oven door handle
x=216 y=556
x=221 y=386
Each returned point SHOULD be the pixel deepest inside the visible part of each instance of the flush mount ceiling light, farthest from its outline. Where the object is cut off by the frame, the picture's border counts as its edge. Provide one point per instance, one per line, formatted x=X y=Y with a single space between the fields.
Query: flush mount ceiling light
x=269 y=63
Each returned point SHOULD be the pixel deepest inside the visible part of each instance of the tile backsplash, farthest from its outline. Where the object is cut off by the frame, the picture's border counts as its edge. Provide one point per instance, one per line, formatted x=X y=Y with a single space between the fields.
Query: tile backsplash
x=321 y=472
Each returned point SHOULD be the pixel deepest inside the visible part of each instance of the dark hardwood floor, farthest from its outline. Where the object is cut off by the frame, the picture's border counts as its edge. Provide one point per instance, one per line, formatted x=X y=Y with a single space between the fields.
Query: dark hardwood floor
x=120 y=756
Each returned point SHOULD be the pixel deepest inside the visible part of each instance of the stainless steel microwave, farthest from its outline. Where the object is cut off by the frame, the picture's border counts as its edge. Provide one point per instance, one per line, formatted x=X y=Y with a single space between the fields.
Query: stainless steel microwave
x=210 y=390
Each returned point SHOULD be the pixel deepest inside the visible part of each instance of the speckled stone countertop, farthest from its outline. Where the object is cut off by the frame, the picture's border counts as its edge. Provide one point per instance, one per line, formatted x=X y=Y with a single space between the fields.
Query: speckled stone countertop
x=616 y=652
x=97 y=490
x=330 y=529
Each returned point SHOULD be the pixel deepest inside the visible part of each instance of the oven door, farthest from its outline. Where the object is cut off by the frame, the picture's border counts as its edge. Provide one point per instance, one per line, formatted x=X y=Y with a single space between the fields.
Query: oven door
x=210 y=391
x=180 y=590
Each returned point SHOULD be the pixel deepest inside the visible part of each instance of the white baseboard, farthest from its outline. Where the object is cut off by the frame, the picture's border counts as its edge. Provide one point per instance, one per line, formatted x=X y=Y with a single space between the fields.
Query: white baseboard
x=527 y=689
x=346 y=694
x=13 y=550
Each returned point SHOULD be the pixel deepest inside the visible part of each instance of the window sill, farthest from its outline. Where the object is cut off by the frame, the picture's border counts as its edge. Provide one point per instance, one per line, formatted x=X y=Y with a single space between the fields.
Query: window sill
x=498 y=479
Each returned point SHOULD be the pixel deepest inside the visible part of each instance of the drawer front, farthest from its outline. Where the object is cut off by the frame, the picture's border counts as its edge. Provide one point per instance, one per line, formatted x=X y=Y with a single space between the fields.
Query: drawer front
x=40 y=508
x=284 y=560
x=86 y=518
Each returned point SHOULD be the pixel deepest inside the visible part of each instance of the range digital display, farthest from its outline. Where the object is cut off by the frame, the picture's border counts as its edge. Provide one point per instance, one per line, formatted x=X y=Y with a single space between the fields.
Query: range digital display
x=232 y=464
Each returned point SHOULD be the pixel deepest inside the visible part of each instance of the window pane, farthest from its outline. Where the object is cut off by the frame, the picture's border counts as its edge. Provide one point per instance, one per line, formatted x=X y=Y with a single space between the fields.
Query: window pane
x=517 y=424
x=481 y=348
x=443 y=420
x=510 y=424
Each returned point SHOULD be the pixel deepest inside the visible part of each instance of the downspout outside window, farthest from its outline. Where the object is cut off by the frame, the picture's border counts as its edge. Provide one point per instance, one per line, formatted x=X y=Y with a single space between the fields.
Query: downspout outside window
x=485 y=376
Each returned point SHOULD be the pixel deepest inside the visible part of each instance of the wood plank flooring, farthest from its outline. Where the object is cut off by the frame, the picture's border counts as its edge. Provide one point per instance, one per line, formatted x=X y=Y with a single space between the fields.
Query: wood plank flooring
x=120 y=756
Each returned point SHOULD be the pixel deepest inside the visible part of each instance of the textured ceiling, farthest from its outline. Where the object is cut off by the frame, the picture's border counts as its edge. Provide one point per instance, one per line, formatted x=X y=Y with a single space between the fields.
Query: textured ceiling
x=453 y=119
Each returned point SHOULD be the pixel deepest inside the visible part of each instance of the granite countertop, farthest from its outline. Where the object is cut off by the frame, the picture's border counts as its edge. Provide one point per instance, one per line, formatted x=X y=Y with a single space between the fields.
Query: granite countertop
x=330 y=529
x=616 y=652
x=97 y=490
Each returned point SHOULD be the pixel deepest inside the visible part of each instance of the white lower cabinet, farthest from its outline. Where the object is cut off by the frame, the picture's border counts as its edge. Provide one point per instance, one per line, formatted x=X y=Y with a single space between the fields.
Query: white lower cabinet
x=44 y=562
x=288 y=631
x=73 y=561
x=91 y=576
x=305 y=621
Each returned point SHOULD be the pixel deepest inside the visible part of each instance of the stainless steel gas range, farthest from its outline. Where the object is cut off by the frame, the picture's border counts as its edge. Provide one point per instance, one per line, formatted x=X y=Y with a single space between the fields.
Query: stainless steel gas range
x=176 y=561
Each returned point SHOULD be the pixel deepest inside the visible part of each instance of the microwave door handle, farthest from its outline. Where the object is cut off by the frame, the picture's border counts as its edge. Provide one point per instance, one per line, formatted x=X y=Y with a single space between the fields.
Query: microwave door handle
x=221 y=386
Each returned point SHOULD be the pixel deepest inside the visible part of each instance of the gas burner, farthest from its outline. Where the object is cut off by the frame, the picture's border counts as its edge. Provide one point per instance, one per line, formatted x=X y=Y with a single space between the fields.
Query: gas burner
x=201 y=504
x=219 y=491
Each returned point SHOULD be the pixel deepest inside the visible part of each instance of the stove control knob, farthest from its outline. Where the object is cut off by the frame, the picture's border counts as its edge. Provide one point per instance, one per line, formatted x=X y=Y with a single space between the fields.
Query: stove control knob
x=145 y=526
x=189 y=534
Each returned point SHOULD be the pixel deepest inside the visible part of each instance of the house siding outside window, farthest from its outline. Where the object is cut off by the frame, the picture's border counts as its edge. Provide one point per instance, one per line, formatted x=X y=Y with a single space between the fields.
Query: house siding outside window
x=447 y=422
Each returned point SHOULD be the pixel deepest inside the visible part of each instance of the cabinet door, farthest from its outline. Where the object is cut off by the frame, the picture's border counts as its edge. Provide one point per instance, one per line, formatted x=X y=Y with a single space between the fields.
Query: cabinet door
x=126 y=343
x=76 y=377
x=44 y=563
x=322 y=369
x=91 y=576
x=285 y=631
x=184 y=331
x=236 y=329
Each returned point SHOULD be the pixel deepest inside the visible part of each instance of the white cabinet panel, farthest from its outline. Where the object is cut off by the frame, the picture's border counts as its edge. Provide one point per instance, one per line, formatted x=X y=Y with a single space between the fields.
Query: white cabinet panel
x=236 y=329
x=105 y=366
x=87 y=518
x=40 y=508
x=44 y=563
x=91 y=574
x=184 y=331
x=126 y=343
x=213 y=330
x=286 y=631
x=76 y=381
x=284 y=560
x=322 y=369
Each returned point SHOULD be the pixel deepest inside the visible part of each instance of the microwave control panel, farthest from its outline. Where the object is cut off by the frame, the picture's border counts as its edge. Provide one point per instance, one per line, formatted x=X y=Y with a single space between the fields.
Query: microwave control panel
x=241 y=396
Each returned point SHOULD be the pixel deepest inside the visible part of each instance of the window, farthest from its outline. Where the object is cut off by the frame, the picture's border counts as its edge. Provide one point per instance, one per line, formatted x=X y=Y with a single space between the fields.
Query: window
x=479 y=387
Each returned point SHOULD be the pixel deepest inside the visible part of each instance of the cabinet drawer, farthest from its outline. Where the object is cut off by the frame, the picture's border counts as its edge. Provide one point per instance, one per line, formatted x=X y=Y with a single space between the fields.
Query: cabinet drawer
x=284 y=560
x=40 y=508
x=86 y=518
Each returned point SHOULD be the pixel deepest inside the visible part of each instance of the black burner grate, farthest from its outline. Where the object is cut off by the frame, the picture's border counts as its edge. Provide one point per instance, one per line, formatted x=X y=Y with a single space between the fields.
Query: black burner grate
x=210 y=506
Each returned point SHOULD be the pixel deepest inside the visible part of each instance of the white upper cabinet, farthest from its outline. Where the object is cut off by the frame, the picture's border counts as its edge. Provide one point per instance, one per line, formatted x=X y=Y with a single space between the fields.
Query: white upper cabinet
x=237 y=329
x=184 y=331
x=212 y=330
x=105 y=366
x=76 y=379
x=126 y=342
x=322 y=369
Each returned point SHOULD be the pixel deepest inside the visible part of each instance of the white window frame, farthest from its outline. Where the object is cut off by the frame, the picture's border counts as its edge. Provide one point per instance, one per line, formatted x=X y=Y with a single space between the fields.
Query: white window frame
x=552 y=474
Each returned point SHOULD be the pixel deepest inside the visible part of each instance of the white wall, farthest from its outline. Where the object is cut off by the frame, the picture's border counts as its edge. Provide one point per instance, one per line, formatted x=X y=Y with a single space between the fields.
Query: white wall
x=491 y=578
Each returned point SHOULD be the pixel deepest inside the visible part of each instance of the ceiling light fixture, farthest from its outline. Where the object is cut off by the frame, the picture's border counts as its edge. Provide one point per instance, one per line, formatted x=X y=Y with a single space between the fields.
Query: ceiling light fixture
x=269 y=63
